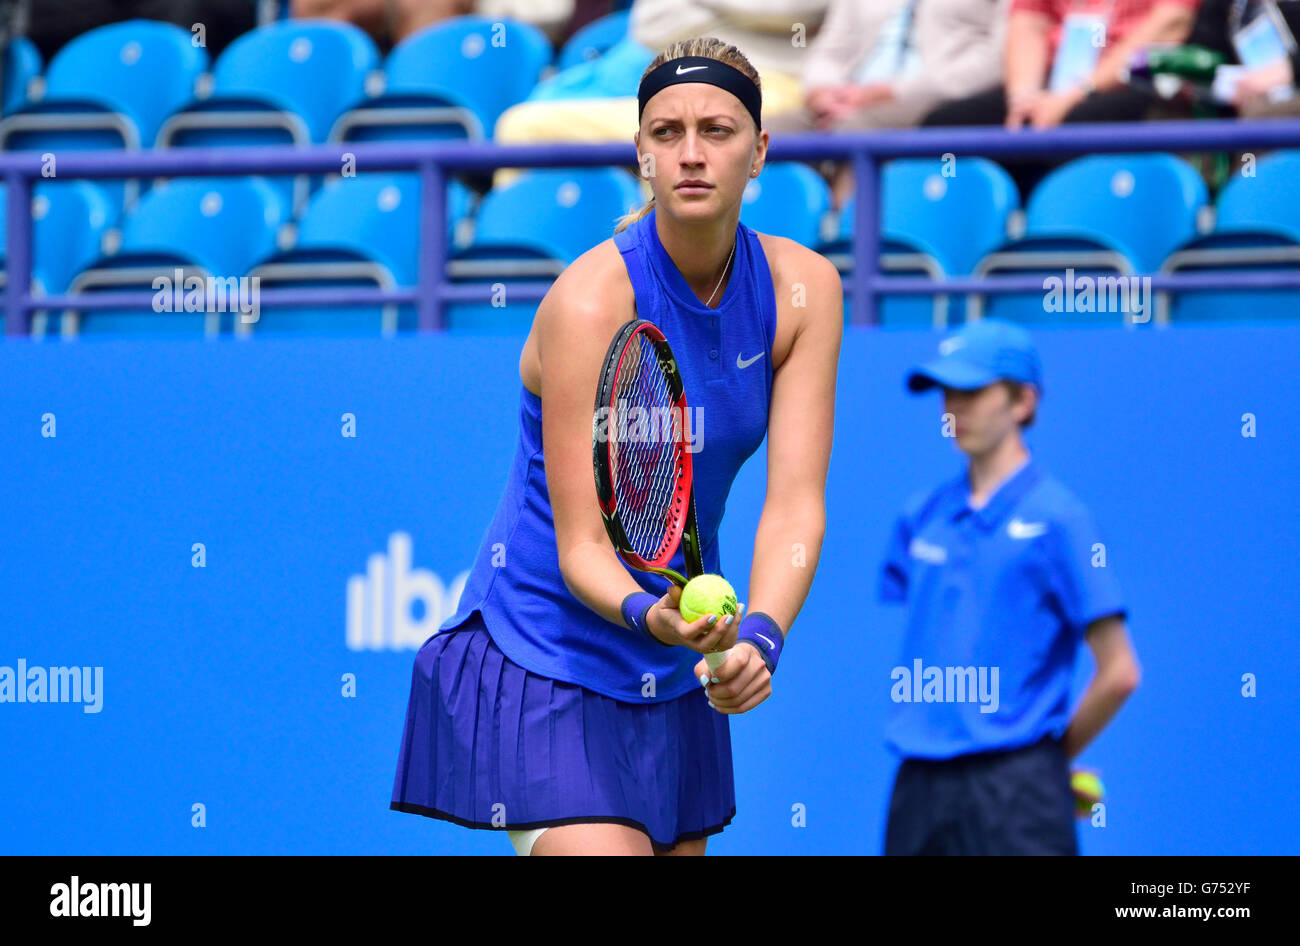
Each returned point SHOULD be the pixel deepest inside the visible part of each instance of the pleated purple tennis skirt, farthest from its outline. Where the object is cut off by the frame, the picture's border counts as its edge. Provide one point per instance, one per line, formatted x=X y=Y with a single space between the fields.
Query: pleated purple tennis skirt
x=488 y=744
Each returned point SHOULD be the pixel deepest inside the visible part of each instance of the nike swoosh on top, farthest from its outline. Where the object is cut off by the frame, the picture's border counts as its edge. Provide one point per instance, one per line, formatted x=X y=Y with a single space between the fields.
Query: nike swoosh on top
x=743 y=363
x=681 y=71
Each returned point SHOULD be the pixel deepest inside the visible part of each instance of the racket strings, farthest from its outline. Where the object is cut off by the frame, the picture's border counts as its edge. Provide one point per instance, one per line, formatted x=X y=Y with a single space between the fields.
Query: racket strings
x=644 y=449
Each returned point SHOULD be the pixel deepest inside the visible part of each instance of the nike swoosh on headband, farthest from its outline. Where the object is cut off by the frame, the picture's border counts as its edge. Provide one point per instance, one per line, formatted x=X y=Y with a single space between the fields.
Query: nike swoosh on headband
x=682 y=72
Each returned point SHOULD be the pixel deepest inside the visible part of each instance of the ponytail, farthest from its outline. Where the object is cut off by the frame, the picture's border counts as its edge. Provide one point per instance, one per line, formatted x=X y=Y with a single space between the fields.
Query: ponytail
x=628 y=219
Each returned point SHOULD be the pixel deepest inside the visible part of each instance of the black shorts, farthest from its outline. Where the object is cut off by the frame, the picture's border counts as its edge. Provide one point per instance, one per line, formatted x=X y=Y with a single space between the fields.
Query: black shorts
x=1008 y=802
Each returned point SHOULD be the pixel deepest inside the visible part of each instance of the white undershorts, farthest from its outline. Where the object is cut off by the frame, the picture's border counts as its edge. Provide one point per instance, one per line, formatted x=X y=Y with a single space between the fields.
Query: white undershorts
x=524 y=840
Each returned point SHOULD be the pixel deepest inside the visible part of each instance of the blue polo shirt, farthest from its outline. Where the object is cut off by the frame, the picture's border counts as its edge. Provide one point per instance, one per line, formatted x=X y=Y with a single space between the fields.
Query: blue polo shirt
x=999 y=599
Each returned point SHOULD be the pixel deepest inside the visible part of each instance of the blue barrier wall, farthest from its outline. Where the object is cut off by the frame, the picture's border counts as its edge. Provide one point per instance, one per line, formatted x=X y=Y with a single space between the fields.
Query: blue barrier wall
x=223 y=685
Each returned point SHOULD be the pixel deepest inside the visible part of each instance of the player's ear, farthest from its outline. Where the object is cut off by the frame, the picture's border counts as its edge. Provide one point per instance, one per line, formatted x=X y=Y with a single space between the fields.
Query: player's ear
x=760 y=154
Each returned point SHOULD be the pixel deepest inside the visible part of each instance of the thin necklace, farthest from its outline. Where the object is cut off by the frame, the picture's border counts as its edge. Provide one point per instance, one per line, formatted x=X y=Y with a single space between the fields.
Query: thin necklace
x=724 y=275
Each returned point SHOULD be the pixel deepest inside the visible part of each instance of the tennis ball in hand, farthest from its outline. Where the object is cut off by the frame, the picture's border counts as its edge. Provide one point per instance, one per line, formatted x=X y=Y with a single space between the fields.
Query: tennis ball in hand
x=1088 y=790
x=707 y=594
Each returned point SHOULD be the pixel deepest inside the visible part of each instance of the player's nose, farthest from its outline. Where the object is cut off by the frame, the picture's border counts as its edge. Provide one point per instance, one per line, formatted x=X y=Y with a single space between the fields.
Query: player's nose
x=690 y=154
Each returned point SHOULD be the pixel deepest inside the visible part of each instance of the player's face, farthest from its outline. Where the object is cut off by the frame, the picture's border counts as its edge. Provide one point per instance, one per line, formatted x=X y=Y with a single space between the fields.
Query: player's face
x=697 y=148
x=983 y=418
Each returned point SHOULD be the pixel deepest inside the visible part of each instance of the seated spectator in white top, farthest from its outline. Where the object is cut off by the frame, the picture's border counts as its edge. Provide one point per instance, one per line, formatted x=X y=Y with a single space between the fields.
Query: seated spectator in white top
x=886 y=64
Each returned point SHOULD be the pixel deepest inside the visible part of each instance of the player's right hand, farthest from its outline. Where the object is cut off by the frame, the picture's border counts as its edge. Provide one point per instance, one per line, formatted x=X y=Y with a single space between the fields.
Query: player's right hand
x=667 y=624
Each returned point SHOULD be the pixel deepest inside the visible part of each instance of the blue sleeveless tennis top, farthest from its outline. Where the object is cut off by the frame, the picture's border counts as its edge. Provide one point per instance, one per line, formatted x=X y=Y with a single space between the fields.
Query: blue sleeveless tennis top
x=725 y=358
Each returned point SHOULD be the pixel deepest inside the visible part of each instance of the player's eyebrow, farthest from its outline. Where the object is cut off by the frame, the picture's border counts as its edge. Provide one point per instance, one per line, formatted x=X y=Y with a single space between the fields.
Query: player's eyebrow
x=720 y=117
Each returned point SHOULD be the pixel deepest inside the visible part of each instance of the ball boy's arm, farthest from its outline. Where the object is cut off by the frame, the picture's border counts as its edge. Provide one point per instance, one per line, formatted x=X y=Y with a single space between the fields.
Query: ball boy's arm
x=1116 y=678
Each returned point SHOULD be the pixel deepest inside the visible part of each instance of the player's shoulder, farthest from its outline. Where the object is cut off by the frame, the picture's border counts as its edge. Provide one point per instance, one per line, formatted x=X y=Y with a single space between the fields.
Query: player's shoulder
x=592 y=291
x=598 y=268
x=791 y=262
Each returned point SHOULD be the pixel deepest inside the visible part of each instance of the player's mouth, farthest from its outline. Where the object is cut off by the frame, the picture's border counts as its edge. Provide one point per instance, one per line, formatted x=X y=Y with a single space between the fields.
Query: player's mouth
x=693 y=186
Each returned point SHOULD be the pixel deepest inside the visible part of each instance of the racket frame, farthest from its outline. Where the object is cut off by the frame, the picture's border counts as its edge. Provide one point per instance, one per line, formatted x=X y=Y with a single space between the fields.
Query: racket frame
x=685 y=528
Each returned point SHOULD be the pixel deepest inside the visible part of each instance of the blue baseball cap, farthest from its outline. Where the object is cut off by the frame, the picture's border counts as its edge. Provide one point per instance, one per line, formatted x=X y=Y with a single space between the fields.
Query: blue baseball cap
x=981 y=353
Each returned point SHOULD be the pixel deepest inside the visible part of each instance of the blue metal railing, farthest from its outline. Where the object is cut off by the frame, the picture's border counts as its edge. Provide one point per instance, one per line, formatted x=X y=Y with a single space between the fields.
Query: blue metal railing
x=435 y=160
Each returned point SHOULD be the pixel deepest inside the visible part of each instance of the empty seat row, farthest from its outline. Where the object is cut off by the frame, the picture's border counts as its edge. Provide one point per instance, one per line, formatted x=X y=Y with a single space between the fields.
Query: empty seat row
x=358 y=231
x=1099 y=216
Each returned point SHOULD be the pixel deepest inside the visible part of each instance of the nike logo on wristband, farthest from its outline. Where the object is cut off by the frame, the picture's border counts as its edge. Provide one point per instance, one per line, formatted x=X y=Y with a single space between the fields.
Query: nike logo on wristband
x=769 y=643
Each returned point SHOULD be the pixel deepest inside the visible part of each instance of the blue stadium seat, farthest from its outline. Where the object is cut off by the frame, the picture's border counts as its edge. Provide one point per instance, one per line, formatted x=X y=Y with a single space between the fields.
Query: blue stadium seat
x=592 y=40
x=22 y=63
x=109 y=88
x=938 y=219
x=787 y=199
x=569 y=210
x=1257 y=227
x=1103 y=216
x=960 y=209
x=451 y=80
x=283 y=83
x=214 y=227
x=617 y=73
x=68 y=221
x=361 y=231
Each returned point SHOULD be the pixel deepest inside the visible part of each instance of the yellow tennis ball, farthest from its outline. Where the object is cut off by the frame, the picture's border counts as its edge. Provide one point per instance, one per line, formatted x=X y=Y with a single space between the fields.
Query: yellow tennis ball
x=707 y=594
x=1088 y=790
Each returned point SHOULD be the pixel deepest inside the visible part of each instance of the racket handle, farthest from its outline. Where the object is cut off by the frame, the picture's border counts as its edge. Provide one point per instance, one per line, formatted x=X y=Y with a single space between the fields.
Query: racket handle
x=715 y=659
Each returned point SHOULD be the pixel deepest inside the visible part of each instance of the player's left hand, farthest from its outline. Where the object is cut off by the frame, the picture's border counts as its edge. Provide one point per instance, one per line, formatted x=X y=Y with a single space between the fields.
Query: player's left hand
x=742 y=680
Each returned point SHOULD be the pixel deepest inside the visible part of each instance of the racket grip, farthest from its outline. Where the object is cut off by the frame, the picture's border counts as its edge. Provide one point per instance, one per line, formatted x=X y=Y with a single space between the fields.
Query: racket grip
x=715 y=659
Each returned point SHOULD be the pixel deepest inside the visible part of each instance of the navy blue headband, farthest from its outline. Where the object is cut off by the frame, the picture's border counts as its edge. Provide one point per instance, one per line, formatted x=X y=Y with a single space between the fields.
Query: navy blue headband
x=702 y=69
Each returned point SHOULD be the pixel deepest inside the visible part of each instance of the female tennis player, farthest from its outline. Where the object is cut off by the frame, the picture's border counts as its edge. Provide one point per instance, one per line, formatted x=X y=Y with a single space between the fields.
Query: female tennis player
x=562 y=702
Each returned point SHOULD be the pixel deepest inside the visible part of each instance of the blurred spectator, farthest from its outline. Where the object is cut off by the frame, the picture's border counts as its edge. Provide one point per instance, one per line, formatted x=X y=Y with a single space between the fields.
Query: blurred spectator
x=52 y=23
x=1064 y=63
x=887 y=64
x=552 y=17
x=584 y=12
x=764 y=30
x=601 y=104
x=387 y=21
x=1260 y=39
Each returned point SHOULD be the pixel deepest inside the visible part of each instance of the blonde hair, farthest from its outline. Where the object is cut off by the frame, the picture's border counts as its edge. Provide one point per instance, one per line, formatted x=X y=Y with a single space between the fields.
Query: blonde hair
x=710 y=47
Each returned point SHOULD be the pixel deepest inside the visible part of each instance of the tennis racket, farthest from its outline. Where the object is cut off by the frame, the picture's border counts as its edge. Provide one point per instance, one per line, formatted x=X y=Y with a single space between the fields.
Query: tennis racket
x=644 y=477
